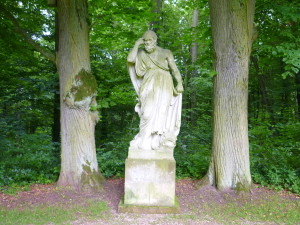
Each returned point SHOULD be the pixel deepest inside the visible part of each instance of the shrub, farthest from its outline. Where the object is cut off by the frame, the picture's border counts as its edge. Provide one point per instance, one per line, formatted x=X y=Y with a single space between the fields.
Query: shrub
x=275 y=155
x=32 y=158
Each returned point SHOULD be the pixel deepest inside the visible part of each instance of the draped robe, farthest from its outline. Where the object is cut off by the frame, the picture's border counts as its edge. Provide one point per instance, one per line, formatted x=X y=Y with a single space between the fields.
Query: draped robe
x=159 y=105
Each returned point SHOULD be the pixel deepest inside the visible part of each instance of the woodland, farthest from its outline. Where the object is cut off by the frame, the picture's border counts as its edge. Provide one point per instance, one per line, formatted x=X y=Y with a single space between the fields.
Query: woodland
x=30 y=134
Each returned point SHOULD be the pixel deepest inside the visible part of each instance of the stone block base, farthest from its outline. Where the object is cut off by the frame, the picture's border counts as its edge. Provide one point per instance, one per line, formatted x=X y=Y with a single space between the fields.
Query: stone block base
x=142 y=209
x=150 y=182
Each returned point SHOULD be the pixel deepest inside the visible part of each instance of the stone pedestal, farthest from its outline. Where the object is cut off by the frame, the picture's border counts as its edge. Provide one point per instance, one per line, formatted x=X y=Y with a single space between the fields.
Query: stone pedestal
x=149 y=182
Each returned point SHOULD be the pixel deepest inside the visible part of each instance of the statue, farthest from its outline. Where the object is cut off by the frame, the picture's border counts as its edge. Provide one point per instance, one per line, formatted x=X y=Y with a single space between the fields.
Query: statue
x=150 y=167
x=159 y=102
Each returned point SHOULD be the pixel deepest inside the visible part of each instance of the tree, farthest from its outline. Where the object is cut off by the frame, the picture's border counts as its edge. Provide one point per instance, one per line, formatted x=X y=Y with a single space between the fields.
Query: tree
x=78 y=88
x=232 y=31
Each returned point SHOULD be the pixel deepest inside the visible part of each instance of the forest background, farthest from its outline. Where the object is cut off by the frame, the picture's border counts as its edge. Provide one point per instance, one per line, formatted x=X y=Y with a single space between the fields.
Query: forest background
x=29 y=94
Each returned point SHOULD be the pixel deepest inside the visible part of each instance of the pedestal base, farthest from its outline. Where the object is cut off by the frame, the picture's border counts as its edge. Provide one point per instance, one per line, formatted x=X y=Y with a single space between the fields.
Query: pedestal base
x=142 y=209
x=149 y=182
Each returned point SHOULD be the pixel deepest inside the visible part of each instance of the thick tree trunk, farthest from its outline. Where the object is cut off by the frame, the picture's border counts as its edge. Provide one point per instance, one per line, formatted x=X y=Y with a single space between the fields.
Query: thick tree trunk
x=232 y=29
x=79 y=168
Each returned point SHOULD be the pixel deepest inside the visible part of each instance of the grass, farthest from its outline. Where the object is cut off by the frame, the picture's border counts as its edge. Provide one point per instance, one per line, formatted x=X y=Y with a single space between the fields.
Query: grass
x=236 y=209
x=57 y=214
x=273 y=209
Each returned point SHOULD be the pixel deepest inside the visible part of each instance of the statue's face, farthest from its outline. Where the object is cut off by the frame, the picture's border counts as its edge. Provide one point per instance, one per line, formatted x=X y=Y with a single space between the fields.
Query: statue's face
x=150 y=44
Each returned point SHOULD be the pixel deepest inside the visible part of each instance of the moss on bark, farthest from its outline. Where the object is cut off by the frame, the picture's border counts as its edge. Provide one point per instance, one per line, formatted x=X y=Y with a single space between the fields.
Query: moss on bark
x=91 y=180
x=243 y=186
x=83 y=91
x=87 y=85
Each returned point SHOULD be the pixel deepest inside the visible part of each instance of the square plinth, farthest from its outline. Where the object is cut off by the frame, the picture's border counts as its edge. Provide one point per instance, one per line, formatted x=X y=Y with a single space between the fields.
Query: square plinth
x=150 y=182
x=143 y=209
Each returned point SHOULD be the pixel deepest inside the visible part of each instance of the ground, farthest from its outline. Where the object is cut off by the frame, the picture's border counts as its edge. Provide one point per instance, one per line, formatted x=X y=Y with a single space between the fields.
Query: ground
x=199 y=205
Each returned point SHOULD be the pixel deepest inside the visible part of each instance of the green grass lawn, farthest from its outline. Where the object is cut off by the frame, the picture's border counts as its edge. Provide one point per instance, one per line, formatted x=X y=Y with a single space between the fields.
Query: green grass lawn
x=57 y=214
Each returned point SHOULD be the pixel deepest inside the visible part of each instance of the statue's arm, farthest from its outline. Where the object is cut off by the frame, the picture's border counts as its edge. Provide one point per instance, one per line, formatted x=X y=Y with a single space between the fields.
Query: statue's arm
x=175 y=71
x=133 y=53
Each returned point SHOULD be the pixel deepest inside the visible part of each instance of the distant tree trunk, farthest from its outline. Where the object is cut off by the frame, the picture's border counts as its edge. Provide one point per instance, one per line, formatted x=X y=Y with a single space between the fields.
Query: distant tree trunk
x=79 y=168
x=56 y=101
x=232 y=30
x=56 y=116
x=194 y=55
x=154 y=24
x=297 y=80
x=194 y=48
x=266 y=101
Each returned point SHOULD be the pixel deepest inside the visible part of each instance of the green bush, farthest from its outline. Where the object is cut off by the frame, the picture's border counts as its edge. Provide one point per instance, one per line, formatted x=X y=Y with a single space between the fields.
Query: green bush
x=112 y=154
x=192 y=156
x=32 y=158
x=275 y=155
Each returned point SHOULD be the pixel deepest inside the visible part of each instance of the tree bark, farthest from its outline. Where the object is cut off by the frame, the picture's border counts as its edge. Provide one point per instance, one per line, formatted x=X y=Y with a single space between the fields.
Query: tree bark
x=56 y=116
x=79 y=168
x=297 y=81
x=194 y=47
x=194 y=55
x=56 y=100
x=155 y=23
x=232 y=30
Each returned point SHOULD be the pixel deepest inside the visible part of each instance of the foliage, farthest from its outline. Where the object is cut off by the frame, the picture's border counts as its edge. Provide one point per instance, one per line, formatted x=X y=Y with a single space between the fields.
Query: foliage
x=275 y=155
x=112 y=155
x=29 y=159
x=29 y=83
x=192 y=152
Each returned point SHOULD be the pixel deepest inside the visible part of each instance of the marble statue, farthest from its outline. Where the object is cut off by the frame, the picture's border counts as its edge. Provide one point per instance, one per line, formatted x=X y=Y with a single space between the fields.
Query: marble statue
x=159 y=103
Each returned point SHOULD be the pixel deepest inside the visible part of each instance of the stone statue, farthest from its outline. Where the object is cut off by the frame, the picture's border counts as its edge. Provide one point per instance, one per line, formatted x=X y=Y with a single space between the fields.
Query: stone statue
x=150 y=167
x=159 y=102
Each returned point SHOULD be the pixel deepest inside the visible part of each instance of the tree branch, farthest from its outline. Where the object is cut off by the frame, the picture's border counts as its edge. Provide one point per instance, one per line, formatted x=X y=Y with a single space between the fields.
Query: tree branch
x=45 y=52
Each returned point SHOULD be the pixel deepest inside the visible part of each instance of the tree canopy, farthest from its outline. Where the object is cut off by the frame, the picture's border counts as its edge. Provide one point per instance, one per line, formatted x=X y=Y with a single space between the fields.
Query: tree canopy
x=29 y=85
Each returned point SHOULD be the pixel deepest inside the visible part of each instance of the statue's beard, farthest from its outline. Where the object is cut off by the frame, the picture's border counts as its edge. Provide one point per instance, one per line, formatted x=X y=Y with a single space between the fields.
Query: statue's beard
x=150 y=47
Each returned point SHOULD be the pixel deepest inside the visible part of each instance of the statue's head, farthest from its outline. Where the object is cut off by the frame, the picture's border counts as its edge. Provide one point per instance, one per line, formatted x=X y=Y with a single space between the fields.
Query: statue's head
x=150 y=39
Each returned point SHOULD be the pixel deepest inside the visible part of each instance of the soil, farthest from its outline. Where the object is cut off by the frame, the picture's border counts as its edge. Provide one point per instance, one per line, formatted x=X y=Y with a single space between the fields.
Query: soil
x=190 y=195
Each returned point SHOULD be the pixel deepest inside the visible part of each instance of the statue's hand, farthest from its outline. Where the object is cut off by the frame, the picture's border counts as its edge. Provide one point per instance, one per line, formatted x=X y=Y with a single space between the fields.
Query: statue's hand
x=139 y=42
x=179 y=88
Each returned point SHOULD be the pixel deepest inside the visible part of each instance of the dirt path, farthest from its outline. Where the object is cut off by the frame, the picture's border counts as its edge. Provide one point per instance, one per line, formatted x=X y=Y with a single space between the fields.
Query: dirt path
x=197 y=204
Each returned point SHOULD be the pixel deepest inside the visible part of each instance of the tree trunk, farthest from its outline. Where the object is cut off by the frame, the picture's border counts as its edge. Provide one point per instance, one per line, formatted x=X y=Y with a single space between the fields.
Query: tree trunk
x=155 y=23
x=56 y=118
x=194 y=47
x=79 y=168
x=232 y=30
x=56 y=101
x=297 y=81
x=194 y=54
